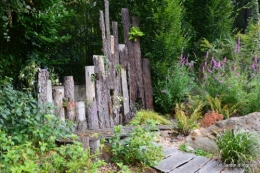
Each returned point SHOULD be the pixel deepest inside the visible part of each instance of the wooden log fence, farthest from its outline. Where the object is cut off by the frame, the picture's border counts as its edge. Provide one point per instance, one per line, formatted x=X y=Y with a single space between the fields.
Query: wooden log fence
x=116 y=85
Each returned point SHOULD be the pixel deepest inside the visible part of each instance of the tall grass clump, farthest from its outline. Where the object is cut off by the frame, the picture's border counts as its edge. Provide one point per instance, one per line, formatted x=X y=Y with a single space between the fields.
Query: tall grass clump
x=238 y=147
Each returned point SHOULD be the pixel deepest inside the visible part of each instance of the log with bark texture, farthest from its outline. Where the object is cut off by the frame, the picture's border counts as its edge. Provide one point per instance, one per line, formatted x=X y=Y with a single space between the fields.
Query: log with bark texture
x=91 y=104
x=134 y=58
x=126 y=110
x=148 y=92
x=138 y=65
x=69 y=97
x=58 y=95
x=81 y=116
x=85 y=141
x=43 y=76
x=49 y=92
x=123 y=55
x=94 y=146
x=117 y=109
x=130 y=58
x=102 y=93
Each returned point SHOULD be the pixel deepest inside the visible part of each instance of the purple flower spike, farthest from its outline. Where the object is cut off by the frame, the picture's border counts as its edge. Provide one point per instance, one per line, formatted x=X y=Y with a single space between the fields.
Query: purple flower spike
x=219 y=65
x=235 y=68
x=203 y=68
x=163 y=91
x=255 y=59
x=209 y=71
x=225 y=59
x=253 y=66
x=238 y=74
x=187 y=61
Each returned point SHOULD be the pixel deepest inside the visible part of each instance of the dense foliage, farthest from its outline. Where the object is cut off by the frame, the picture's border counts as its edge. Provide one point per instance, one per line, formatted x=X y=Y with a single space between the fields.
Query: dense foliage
x=139 y=148
x=28 y=134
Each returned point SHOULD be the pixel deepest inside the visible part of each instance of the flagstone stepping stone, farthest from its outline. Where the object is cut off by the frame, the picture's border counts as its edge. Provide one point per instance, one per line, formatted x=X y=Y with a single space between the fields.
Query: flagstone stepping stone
x=176 y=161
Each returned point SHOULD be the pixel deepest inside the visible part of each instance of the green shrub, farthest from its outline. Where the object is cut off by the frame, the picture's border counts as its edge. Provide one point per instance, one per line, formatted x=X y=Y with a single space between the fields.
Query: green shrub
x=22 y=118
x=28 y=134
x=186 y=123
x=238 y=147
x=143 y=116
x=29 y=158
x=138 y=149
x=173 y=88
x=197 y=152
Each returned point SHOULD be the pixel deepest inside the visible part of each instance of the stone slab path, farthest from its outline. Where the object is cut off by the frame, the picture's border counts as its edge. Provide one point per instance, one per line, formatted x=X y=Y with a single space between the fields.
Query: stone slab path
x=176 y=161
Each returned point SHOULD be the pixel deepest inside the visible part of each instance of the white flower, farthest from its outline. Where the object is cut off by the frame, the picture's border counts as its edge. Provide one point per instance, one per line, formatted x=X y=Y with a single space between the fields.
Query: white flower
x=22 y=75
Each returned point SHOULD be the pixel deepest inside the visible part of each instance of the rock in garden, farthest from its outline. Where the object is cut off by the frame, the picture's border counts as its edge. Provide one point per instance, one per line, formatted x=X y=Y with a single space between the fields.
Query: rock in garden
x=204 y=138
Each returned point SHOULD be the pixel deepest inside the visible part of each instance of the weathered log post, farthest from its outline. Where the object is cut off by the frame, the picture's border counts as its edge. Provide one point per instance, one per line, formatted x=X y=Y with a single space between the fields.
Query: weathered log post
x=69 y=97
x=43 y=76
x=58 y=95
x=102 y=93
x=49 y=92
x=81 y=116
x=91 y=103
x=94 y=145
x=148 y=91
x=127 y=115
x=136 y=87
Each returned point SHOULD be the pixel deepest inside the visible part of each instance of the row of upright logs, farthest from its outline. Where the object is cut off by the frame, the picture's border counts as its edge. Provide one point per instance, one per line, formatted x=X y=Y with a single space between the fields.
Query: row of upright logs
x=117 y=85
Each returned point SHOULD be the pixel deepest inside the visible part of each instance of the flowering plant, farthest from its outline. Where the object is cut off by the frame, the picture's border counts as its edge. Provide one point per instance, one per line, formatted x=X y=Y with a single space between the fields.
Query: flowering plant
x=177 y=84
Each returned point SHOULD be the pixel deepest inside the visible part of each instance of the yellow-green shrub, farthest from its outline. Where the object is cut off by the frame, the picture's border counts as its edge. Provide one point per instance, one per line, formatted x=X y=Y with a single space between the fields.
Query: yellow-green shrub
x=143 y=116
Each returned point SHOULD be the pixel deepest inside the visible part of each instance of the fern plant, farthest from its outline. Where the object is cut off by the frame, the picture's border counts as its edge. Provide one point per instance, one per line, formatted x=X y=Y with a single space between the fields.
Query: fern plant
x=216 y=106
x=186 y=123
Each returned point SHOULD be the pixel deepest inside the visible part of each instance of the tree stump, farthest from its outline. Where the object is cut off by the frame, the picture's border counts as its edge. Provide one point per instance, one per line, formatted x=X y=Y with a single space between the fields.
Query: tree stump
x=43 y=76
x=58 y=95
x=69 y=97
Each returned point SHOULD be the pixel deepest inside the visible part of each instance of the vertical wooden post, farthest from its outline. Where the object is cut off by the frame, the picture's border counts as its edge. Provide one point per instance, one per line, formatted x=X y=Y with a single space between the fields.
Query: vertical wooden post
x=69 y=97
x=43 y=76
x=81 y=116
x=127 y=115
x=102 y=92
x=94 y=145
x=91 y=104
x=136 y=87
x=49 y=92
x=148 y=91
x=85 y=141
x=58 y=95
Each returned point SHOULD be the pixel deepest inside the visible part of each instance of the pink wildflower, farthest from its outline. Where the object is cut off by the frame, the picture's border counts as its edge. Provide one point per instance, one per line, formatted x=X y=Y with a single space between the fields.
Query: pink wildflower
x=163 y=91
